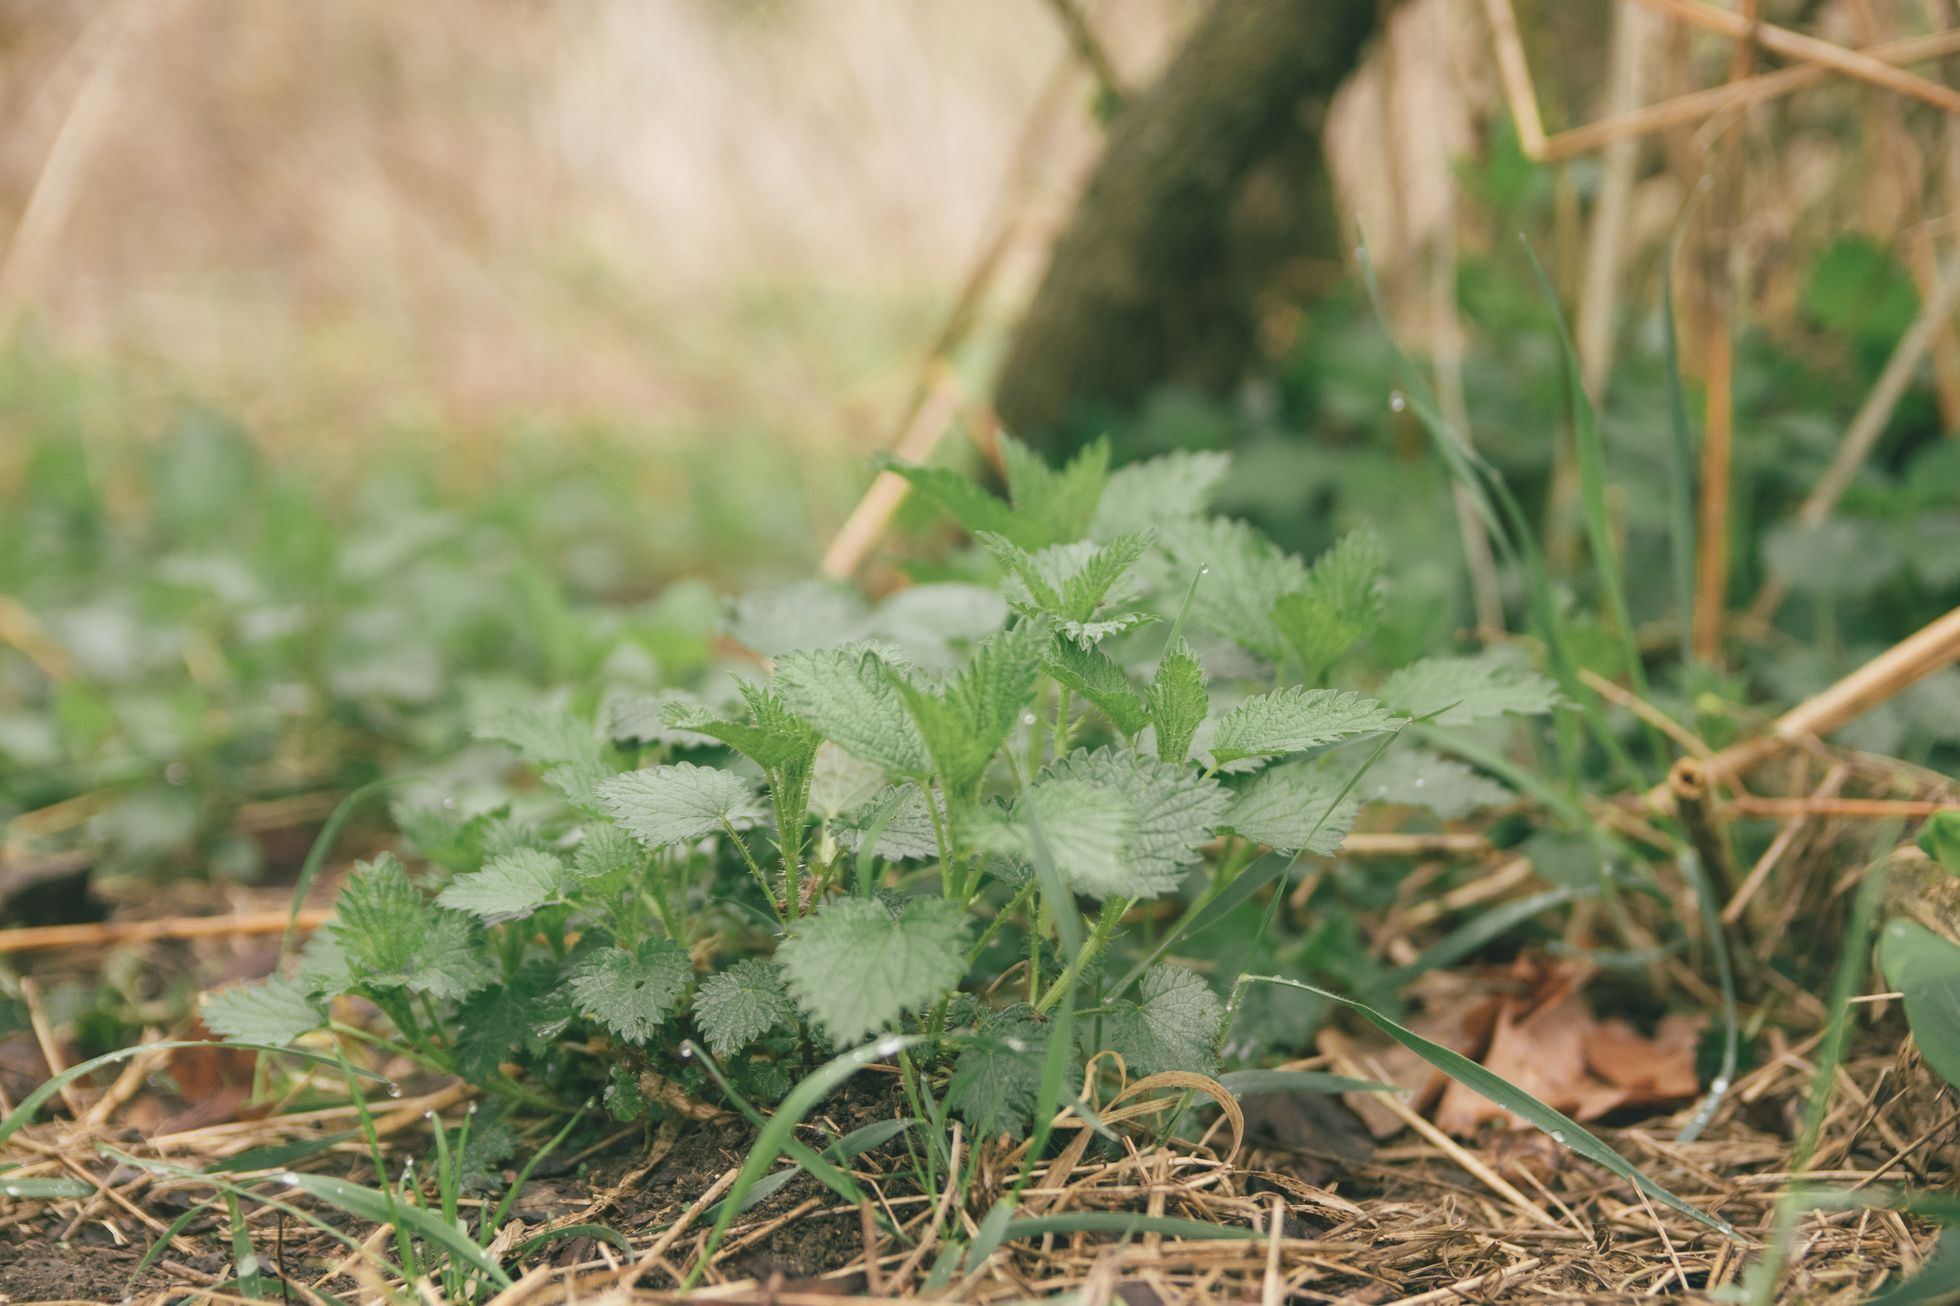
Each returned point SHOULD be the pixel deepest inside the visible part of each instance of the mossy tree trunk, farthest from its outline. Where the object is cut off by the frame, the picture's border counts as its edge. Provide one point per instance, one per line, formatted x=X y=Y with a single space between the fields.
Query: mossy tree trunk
x=1211 y=184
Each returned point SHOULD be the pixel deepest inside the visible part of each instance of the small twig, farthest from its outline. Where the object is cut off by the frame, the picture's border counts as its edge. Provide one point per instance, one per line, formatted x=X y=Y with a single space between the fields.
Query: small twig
x=105 y=934
x=1864 y=809
x=1694 y=803
x=1796 y=45
x=1462 y=1289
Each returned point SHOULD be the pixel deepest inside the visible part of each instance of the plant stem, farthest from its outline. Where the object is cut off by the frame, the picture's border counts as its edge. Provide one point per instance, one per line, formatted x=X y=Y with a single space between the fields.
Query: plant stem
x=754 y=869
x=1099 y=937
x=1001 y=917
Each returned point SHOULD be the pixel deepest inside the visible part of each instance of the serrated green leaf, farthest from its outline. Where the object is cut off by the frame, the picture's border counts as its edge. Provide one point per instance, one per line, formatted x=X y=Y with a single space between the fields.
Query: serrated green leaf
x=494 y=1023
x=1458 y=691
x=1178 y=701
x=855 y=967
x=1053 y=505
x=996 y=1084
x=1143 y=495
x=632 y=993
x=1338 y=606
x=511 y=886
x=1293 y=810
x=850 y=696
x=905 y=830
x=841 y=782
x=965 y=723
x=274 y=1010
x=1117 y=823
x=666 y=805
x=1094 y=674
x=606 y=854
x=1245 y=575
x=392 y=937
x=1296 y=720
x=642 y=718
x=964 y=500
x=1173 y=1026
x=773 y=738
x=1416 y=777
x=543 y=736
x=741 y=1004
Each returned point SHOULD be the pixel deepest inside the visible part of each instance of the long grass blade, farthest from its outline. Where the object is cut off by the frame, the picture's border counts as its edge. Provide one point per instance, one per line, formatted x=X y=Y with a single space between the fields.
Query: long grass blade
x=1682 y=468
x=381 y=1208
x=1563 y=1129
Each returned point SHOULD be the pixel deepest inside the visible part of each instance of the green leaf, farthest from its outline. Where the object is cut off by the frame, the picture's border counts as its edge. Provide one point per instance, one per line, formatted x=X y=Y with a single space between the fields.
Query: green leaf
x=961 y=498
x=385 y=1209
x=741 y=1004
x=1118 y=823
x=774 y=738
x=642 y=718
x=1144 y=495
x=855 y=967
x=1174 y=1025
x=906 y=833
x=543 y=736
x=996 y=1084
x=804 y=615
x=851 y=697
x=841 y=782
x=511 y=886
x=1292 y=809
x=1339 y=606
x=606 y=856
x=1462 y=691
x=1926 y=968
x=393 y=938
x=1245 y=575
x=666 y=805
x=1416 y=777
x=270 y=1011
x=632 y=993
x=1939 y=839
x=1053 y=505
x=965 y=723
x=1178 y=701
x=1295 y=720
x=494 y=1023
x=1093 y=674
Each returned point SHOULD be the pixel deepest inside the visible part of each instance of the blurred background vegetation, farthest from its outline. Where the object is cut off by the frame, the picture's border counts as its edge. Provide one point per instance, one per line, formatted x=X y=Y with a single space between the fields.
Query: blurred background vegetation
x=366 y=366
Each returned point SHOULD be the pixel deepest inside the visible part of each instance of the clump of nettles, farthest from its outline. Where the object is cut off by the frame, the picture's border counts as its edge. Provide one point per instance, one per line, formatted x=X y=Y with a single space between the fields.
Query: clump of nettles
x=930 y=815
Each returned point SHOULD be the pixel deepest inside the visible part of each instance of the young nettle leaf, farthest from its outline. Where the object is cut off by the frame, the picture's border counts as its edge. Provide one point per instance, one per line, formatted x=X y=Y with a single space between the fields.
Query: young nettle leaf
x=1089 y=830
x=904 y=825
x=666 y=805
x=543 y=736
x=1339 y=605
x=1044 y=505
x=778 y=741
x=1174 y=1024
x=856 y=966
x=740 y=1005
x=1465 y=690
x=996 y=1084
x=606 y=858
x=841 y=782
x=1297 y=720
x=850 y=696
x=806 y=614
x=1070 y=583
x=514 y=885
x=494 y=1024
x=1118 y=823
x=1144 y=495
x=1178 y=701
x=632 y=993
x=642 y=718
x=1291 y=809
x=965 y=723
x=1416 y=777
x=1093 y=674
x=1245 y=575
x=268 y=1011
x=392 y=937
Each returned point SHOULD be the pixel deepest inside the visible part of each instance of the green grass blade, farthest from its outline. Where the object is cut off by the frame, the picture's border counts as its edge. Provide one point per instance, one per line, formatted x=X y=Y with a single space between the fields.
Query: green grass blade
x=244 y=1260
x=323 y=843
x=611 y=1237
x=44 y=1190
x=850 y=1145
x=778 y=1132
x=1563 y=1129
x=30 y=1106
x=162 y=1243
x=1683 y=470
x=1128 y=1225
x=381 y=1208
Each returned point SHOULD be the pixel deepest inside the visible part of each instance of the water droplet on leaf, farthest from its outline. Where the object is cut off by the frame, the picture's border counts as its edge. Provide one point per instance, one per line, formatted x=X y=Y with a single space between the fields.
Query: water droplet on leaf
x=1397 y=401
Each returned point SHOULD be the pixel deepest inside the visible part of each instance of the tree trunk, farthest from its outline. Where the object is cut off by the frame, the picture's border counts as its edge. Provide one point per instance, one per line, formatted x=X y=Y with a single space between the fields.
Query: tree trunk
x=1211 y=182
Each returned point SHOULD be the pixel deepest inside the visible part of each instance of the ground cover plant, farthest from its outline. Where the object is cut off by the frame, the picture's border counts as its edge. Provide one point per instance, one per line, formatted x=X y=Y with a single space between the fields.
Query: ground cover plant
x=1029 y=839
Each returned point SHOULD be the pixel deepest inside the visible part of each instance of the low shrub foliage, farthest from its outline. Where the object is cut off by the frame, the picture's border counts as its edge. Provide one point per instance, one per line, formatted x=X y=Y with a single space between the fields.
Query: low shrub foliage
x=935 y=815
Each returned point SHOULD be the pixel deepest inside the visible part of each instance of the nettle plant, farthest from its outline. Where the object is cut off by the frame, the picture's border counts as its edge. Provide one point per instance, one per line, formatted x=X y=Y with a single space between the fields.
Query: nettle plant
x=937 y=815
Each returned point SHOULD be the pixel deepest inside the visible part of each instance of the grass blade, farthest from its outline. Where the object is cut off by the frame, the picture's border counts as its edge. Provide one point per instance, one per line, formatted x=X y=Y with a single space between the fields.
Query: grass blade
x=381 y=1208
x=1243 y=1083
x=778 y=1132
x=1563 y=1129
x=1682 y=469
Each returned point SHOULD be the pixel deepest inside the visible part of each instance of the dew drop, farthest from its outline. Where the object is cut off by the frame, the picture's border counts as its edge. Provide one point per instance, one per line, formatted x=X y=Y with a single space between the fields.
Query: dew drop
x=1558 y=1136
x=1027 y=718
x=289 y=1179
x=471 y=1109
x=687 y=1051
x=394 y=1090
x=1397 y=401
x=1420 y=782
x=449 y=803
x=1204 y=569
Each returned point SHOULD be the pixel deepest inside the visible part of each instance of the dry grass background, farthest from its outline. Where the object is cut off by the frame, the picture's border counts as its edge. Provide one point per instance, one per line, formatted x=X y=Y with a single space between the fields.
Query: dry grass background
x=334 y=218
